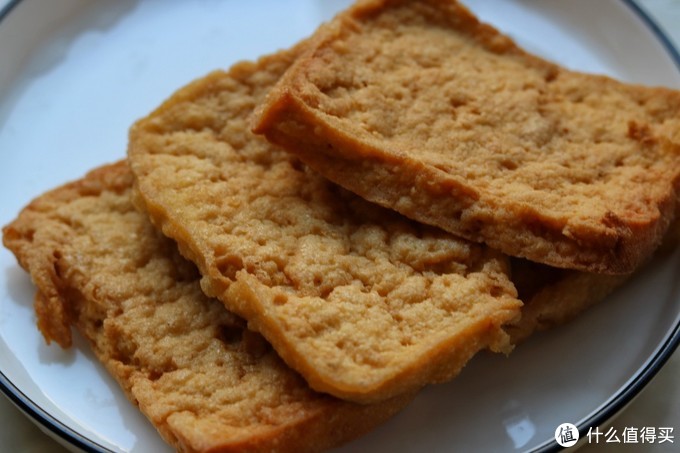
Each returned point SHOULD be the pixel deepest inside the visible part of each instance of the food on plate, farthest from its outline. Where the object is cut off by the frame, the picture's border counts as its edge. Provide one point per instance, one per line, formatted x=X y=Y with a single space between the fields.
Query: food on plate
x=419 y=107
x=363 y=302
x=202 y=378
x=296 y=245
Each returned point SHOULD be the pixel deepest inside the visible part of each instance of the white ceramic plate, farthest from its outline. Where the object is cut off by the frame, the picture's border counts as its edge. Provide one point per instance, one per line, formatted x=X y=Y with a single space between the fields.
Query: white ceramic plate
x=74 y=74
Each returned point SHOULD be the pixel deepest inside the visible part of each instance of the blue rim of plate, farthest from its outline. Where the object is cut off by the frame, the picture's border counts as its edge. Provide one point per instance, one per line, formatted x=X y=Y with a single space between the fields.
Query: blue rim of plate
x=644 y=375
x=616 y=404
x=22 y=401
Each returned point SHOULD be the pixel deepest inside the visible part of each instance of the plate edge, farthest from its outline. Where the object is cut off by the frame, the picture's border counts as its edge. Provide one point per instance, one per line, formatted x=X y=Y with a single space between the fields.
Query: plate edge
x=616 y=404
x=38 y=415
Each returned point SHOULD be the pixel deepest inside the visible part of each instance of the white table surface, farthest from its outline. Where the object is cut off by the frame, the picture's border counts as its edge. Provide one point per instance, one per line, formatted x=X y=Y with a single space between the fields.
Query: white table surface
x=657 y=406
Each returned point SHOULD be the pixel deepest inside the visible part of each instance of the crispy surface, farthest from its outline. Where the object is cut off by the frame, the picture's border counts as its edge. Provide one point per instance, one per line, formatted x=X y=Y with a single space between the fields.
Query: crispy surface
x=417 y=106
x=362 y=302
x=203 y=379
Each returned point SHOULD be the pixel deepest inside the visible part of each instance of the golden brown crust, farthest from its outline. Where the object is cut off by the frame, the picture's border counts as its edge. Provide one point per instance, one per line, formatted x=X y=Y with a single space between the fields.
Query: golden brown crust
x=417 y=106
x=364 y=303
x=206 y=383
